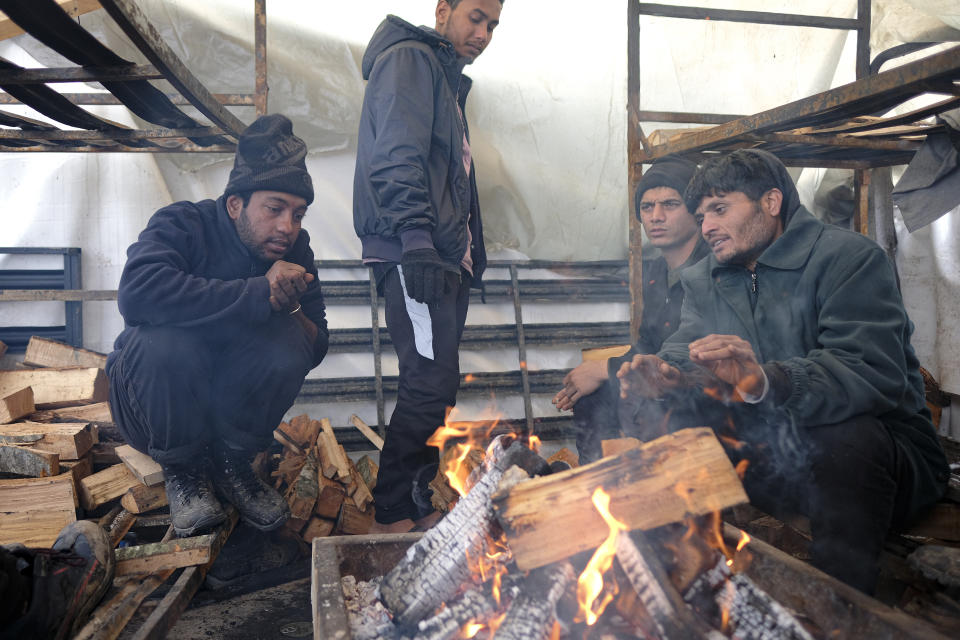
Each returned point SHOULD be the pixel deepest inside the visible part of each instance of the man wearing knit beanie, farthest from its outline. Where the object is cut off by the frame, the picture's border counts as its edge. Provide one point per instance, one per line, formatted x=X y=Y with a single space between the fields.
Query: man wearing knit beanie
x=224 y=318
x=591 y=389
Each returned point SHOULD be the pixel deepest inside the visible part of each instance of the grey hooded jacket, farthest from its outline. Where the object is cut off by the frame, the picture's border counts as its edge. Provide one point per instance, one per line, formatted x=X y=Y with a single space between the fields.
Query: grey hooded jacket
x=410 y=188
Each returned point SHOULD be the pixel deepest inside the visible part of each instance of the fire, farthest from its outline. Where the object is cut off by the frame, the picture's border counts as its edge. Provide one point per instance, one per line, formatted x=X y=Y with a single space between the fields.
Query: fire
x=471 y=629
x=741 y=468
x=467 y=379
x=474 y=434
x=590 y=582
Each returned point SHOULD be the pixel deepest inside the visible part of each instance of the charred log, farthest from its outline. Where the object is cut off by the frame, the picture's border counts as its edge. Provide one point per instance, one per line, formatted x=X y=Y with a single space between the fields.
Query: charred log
x=532 y=613
x=478 y=605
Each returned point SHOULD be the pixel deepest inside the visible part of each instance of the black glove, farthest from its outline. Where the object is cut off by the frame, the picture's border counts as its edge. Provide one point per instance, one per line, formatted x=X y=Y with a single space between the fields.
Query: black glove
x=424 y=274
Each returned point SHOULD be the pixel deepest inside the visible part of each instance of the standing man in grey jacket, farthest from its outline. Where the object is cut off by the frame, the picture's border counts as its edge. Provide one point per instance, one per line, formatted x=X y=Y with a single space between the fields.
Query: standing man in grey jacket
x=415 y=210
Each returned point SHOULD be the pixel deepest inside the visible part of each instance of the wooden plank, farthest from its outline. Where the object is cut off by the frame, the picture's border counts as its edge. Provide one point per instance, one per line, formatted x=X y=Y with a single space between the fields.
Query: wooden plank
x=71 y=440
x=370 y=434
x=142 y=498
x=105 y=453
x=42 y=352
x=34 y=510
x=565 y=455
x=616 y=446
x=9 y=29
x=357 y=489
x=368 y=471
x=25 y=461
x=330 y=497
x=331 y=449
x=604 y=353
x=141 y=465
x=681 y=474
x=942 y=523
x=97 y=412
x=353 y=520
x=16 y=405
x=106 y=485
x=58 y=387
x=159 y=556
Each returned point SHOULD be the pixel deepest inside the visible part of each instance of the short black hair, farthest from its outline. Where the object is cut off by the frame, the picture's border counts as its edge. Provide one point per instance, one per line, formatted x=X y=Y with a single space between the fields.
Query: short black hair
x=453 y=3
x=737 y=171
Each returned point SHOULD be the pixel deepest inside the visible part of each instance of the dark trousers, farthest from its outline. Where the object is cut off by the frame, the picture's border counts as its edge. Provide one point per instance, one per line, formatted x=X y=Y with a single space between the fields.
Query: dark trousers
x=173 y=391
x=426 y=388
x=595 y=419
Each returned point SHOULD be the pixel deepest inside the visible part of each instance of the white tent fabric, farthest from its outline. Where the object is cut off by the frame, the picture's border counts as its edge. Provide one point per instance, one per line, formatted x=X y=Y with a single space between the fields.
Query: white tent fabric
x=548 y=123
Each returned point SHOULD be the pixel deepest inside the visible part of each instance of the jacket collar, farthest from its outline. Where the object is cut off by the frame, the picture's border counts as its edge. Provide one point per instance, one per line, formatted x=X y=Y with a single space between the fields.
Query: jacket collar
x=790 y=251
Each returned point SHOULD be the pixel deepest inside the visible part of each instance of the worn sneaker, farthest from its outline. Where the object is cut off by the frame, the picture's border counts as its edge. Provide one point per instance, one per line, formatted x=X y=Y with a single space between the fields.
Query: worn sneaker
x=68 y=582
x=193 y=505
x=259 y=504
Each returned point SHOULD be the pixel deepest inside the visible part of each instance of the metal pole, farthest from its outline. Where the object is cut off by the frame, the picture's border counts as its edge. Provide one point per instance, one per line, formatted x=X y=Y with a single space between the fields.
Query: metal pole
x=522 y=350
x=261 y=88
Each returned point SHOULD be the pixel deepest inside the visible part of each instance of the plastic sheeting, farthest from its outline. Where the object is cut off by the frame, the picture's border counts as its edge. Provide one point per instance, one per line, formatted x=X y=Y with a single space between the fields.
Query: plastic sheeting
x=547 y=116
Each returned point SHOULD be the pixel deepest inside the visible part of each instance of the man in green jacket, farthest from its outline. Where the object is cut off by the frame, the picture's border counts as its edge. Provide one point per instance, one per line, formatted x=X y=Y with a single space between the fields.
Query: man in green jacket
x=800 y=328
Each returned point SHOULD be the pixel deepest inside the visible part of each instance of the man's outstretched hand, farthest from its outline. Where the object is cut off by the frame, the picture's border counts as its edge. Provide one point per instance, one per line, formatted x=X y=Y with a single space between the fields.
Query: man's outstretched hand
x=647 y=376
x=582 y=380
x=424 y=275
x=731 y=359
x=288 y=281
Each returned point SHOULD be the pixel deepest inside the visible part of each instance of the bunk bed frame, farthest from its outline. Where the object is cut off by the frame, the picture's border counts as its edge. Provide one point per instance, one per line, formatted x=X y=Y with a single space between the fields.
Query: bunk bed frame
x=838 y=128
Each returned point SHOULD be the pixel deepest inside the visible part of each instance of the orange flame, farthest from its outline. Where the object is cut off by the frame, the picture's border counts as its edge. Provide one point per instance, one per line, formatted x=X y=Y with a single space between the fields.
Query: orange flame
x=471 y=629
x=741 y=468
x=590 y=582
x=474 y=434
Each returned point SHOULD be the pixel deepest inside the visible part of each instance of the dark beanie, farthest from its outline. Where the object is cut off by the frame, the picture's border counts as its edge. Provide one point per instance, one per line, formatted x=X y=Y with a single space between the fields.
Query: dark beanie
x=270 y=158
x=669 y=171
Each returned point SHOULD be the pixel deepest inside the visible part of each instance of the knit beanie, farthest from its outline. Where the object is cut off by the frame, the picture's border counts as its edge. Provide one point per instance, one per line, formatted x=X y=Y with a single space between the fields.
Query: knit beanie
x=270 y=158
x=669 y=171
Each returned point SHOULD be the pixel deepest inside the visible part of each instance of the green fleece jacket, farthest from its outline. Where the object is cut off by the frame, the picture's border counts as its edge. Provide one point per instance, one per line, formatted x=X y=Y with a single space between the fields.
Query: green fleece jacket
x=827 y=322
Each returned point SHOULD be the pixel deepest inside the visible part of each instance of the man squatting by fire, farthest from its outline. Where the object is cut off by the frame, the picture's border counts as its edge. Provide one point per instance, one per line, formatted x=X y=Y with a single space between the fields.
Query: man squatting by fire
x=592 y=389
x=224 y=318
x=803 y=322
x=416 y=212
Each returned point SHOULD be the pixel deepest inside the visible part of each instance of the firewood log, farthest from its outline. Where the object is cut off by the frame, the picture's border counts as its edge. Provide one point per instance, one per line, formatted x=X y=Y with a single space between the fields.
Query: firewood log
x=532 y=613
x=435 y=568
x=476 y=605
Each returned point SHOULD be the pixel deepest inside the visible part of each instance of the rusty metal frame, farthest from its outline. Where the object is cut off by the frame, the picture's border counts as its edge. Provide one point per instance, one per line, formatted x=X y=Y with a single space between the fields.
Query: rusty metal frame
x=164 y=64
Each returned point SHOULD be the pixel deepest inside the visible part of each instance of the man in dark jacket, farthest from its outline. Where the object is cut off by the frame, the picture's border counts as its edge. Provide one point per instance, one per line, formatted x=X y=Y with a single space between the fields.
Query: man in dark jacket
x=224 y=318
x=415 y=209
x=591 y=389
x=801 y=326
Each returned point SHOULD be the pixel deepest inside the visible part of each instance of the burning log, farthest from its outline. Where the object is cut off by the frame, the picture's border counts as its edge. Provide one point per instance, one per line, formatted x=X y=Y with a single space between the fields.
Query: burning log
x=752 y=613
x=477 y=606
x=533 y=612
x=435 y=569
x=663 y=481
x=665 y=607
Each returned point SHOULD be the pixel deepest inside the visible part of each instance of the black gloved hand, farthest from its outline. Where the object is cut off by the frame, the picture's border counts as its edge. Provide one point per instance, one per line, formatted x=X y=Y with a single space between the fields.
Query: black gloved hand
x=424 y=274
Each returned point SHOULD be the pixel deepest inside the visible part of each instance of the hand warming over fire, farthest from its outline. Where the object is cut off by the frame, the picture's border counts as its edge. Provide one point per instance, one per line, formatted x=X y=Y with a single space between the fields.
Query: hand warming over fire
x=731 y=359
x=647 y=376
x=288 y=281
x=582 y=380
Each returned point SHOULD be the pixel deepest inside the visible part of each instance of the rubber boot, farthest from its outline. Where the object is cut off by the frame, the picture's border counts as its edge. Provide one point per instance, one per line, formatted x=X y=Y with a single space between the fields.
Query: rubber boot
x=193 y=505
x=259 y=504
x=68 y=581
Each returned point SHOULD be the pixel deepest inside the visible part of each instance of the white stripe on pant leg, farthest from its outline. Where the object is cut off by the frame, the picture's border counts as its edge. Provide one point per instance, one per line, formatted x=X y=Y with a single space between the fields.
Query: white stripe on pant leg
x=419 y=314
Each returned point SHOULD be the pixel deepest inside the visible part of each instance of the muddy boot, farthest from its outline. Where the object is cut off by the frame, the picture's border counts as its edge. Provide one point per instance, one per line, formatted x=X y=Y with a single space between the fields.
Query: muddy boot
x=193 y=505
x=67 y=582
x=249 y=551
x=259 y=504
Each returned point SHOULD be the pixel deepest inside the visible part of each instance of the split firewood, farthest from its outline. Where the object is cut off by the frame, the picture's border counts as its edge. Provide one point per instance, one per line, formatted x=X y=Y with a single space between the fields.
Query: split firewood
x=99 y=412
x=664 y=606
x=106 y=485
x=370 y=434
x=57 y=387
x=318 y=528
x=25 y=461
x=105 y=454
x=79 y=468
x=332 y=455
x=34 y=510
x=444 y=496
x=478 y=606
x=17 y=404
x=301 y=431
x=70 y=440
x=141 y=498
x=141 y=465
x=159 y=556
x=532 y=613
x=357 y=489
x=288 y=443
x=435 y=568
x=941 y=522
x=330 y=498
x=42 y=352
x=753 y=614
x=3 y=348
x=368 y=471
x=663 y=481
x=120 y=525
x=302 y=494
x=353 y=520
x=289 y=468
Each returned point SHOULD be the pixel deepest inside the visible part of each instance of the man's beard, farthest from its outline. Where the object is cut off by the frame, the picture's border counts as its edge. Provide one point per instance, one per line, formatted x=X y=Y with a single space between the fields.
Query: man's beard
x=245 y=232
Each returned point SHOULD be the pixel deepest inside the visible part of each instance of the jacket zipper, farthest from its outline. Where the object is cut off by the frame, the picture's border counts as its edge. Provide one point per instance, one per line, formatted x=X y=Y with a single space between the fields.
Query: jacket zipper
x=753 y=282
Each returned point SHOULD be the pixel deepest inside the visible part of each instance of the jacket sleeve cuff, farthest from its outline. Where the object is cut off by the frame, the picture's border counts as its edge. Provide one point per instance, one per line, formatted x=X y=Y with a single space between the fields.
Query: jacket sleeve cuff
x=417 y=238
x=258 y=290
x=787 y=381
